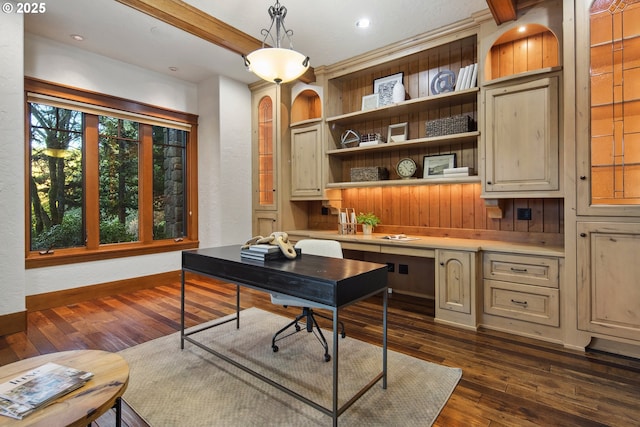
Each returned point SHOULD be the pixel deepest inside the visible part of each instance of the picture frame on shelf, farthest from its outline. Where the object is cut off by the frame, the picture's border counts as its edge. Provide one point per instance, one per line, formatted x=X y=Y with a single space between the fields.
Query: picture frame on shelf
x=434 y=166
x=398 y=132
x=370 y=102
x=383 y=87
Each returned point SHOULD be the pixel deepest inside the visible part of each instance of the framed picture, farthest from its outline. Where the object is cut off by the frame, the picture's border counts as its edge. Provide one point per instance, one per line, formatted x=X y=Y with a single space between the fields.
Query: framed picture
x=434 y=166
x=384 y=88
x=397 y=133
x=369 y=102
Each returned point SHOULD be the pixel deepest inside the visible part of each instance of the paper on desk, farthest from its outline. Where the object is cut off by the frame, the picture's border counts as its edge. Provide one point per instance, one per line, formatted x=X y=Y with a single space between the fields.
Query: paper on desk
x=400 y=237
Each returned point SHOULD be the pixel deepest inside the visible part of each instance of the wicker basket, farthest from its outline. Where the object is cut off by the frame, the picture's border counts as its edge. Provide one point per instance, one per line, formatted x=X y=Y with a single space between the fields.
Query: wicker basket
x=449 y=125
x=374 y=173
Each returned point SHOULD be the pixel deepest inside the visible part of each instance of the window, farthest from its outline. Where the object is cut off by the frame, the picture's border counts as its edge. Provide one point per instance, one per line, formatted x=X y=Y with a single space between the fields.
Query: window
x=105 y=182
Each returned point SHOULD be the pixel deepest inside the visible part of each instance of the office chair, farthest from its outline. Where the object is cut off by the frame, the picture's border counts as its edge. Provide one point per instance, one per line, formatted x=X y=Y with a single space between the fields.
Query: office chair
x=328 y=248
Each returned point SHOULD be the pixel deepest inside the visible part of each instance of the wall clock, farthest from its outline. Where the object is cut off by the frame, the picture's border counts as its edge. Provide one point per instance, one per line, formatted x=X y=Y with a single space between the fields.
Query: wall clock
x=406 y=168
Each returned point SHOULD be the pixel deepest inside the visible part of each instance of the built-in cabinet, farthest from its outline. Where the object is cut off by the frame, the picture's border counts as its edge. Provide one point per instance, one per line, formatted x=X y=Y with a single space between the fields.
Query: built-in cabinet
x=607 y=176
x=522 y=293
x=306 y=162
x=271 y=153
x=456 y=287
x=608 y=272
x=521 y=137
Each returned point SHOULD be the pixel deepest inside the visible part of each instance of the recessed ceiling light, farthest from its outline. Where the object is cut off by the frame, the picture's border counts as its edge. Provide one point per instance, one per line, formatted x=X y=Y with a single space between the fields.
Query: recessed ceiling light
x=522 y=29
x=363 y=23
x=77 y=37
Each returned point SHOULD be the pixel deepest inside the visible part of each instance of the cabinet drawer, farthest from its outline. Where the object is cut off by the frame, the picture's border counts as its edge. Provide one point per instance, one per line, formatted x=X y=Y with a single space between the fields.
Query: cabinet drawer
x=531 y=270
x=523 y=302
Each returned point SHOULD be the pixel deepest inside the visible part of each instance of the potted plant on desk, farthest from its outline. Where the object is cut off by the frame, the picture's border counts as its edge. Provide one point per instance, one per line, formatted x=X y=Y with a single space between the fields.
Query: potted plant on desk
x=368 y=221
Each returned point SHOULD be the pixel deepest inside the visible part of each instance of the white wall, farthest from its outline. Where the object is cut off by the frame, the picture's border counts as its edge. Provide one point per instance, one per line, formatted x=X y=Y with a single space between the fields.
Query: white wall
x=48 y=60
x=12 y=274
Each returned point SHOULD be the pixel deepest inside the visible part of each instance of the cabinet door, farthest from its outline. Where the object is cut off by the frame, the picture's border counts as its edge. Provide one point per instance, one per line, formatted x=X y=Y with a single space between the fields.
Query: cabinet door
x=306 y=162
x=265 y=149
x=454 y=281
x=521 y=137
x=608 y=272
x=265 y=223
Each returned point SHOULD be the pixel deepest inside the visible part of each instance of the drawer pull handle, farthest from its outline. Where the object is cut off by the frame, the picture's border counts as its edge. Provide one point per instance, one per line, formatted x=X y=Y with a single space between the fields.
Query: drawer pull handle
x=522 y=303
x=518 y=270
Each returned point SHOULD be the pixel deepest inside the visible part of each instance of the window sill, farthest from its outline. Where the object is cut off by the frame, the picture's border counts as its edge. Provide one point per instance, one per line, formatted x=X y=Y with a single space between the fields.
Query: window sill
x=71 y=256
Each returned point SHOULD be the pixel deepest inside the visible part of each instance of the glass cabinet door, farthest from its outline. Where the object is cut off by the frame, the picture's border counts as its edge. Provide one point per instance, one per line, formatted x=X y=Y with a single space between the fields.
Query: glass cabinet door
x=608 y=95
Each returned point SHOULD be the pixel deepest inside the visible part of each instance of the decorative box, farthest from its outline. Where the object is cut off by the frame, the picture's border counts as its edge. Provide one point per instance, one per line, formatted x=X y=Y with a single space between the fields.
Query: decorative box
x=374 y=173
x=367 y=139
x=449 y=125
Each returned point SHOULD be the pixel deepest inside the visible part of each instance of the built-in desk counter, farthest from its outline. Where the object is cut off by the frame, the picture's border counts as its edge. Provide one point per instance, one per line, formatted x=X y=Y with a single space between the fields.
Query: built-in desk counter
x=424 y=245
x=514 y=287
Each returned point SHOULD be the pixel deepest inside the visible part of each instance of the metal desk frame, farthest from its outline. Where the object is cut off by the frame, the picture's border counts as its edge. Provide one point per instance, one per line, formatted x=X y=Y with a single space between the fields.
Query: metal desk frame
x=335 y=411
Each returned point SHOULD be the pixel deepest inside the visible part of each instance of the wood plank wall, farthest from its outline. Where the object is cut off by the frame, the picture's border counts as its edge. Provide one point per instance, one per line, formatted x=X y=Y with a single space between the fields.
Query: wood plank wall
x=453 y=210
x=524 y=54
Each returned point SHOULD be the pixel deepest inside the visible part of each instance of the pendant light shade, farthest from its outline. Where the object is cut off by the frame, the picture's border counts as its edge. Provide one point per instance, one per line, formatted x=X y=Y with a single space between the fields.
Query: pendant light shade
x=277 y=64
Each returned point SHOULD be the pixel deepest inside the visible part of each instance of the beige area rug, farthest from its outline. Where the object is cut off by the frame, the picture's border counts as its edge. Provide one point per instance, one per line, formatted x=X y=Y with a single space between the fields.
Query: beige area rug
x=190 y=387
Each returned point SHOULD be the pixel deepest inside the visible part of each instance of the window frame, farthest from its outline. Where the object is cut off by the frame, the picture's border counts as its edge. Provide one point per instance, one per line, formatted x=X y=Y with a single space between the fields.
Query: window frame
x=93 y=250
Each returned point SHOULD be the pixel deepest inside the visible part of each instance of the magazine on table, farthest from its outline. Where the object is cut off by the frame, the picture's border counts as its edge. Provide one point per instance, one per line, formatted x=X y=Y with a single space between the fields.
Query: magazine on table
x=39 y=387
x=14 y=410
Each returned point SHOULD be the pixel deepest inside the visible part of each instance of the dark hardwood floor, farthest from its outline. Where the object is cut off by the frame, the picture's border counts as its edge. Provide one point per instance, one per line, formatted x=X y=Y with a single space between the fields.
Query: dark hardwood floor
x=507 y=380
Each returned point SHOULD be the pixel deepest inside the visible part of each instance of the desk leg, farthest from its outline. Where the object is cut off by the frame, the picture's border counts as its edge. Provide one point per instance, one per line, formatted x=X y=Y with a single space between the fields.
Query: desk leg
x=182 y=296
x=118 y=407
x=335 y=367
x=384 y=338
x=237 y=306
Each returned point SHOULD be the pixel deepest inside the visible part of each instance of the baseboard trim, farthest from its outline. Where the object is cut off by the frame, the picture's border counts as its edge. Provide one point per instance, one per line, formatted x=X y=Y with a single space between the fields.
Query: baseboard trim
x=84 y=293
x=12 y=323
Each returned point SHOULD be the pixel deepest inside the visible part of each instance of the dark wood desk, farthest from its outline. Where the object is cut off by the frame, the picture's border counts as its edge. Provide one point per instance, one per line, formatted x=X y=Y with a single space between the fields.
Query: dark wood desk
x=331 y=282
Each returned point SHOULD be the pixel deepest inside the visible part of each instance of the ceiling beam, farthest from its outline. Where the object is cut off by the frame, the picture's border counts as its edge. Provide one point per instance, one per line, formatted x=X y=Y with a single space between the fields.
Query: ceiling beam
x=194 y=21
x=503 y=10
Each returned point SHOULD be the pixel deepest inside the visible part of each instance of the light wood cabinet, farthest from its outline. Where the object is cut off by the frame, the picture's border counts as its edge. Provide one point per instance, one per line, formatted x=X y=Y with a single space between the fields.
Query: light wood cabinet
x=306 y=162
x=608 y=272
x=271 y=152
x=521 y=287
x=521 y=138
x=456 y=287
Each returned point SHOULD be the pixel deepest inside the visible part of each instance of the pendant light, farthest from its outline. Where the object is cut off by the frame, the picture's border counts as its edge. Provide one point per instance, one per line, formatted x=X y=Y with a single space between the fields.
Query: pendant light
x=277 y=64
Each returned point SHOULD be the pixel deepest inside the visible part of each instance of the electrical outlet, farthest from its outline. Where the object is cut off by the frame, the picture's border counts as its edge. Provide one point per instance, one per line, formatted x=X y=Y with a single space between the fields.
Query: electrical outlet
x=524 y=214
x=391 y=267
x=403 y=269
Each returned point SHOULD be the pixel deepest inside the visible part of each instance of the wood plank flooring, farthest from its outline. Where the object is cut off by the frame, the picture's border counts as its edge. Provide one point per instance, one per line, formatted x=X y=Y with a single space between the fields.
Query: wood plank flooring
x=507 y=380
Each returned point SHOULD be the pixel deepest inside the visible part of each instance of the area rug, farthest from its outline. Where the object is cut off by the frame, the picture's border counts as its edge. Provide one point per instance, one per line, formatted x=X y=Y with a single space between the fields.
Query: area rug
x=190 y=387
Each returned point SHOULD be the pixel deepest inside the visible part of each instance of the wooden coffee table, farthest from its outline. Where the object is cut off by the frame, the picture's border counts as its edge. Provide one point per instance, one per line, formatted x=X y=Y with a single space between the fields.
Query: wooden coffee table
x=84 y=405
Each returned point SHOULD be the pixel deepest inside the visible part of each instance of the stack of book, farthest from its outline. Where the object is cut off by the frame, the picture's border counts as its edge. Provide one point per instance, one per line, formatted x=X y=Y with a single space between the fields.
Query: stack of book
x=467 y=77
x=263 y=252
x=39 y=387
x=461 y=171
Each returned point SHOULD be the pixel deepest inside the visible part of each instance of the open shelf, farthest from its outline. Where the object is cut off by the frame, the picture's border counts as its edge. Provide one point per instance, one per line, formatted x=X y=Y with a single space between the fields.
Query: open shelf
x=413 y=143
x=407 y=107
x=413 y=181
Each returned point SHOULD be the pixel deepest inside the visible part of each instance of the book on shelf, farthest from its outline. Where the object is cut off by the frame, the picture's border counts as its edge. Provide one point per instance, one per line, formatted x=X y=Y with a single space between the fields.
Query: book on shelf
x=460 y=171
x=460 y=80
x=474 y=76
x=39 y=387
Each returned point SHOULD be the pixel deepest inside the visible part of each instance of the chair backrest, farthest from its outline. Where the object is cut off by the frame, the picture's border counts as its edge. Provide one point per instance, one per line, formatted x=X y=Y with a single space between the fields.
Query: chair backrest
x=328 y=248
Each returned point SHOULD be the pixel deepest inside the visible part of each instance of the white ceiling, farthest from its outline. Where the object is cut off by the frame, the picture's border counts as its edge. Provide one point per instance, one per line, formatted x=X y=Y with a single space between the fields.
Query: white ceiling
x=323 y=29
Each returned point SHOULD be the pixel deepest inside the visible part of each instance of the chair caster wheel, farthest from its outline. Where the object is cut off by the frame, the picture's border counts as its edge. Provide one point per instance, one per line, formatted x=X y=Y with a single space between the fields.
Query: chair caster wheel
x=274 y=348
x=327 y=357
x=298 y=328
x=344 y=334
